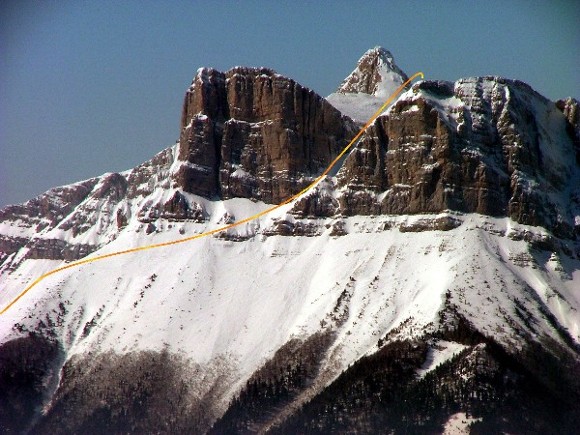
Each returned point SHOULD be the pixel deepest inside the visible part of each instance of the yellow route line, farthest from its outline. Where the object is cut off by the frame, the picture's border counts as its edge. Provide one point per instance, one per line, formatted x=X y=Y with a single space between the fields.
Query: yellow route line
x=226 y=227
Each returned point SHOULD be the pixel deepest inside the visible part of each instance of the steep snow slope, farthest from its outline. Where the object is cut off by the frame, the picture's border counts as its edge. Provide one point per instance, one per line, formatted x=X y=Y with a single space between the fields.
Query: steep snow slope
x=216 y=299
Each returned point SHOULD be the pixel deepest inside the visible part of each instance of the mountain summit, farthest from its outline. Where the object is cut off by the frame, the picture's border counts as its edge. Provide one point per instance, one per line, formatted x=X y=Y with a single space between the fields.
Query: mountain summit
x=430 y=284
x=374 y=79
x=376 y=74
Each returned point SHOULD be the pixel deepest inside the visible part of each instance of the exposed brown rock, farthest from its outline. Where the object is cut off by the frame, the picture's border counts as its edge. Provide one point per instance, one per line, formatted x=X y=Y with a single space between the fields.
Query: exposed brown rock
x=440 y=223
x=571 y=109
x=483 y=155
x=121 y=219
x=50 y=207
x=112 y=187
x=11 y=244
x=178 y=207
x=338 y=229
x=252 y=133
x=316 y=204
x=417 y=160
x=206 y=95
x=284 y=227
x=199 y=149
x=56 y=249
x=152 y=174
x=43 y=213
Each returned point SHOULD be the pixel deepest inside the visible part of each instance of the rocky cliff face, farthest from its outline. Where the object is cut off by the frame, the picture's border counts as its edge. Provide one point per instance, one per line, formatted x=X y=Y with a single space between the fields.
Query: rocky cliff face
x=70 y=222
x=252 y=133
x=483 y=145
x=571 y=109
x=486 y=145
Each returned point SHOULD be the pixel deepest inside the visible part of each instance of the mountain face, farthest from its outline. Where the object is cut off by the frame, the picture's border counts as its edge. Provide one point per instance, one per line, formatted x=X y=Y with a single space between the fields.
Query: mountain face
x=430 y=284
x=480 y=145
x=251 y=133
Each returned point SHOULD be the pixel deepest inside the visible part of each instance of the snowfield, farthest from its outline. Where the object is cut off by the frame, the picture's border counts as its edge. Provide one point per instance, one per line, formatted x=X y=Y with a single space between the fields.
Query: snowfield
x=217 y=299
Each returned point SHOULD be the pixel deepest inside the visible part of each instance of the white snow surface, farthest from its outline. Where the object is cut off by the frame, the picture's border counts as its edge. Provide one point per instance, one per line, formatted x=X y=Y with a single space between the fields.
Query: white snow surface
x=437 y=354
x=359 y=107
x=215 y=298
x=458 y=424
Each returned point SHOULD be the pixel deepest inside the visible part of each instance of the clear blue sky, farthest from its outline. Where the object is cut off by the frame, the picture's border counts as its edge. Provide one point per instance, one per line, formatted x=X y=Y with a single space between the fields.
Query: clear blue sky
x=88 y=87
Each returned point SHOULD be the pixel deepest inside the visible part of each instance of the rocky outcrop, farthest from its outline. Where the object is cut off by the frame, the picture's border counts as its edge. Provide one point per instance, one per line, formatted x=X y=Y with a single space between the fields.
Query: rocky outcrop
x=69 y=222
x=56 y=249
x=41 y=214
x=440 y=223
x=283 y=227
x=48 y=209
x=253 y=133
x=571 y=109
x=375 y=78
x=144 y=179
x=320 y=203
x=176 y=208
x=10 y=244
x=486 y=145
x=403 y=157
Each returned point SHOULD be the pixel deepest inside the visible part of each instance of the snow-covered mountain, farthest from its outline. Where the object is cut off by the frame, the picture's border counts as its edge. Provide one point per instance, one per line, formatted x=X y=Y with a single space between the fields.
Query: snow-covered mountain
x=433 y=279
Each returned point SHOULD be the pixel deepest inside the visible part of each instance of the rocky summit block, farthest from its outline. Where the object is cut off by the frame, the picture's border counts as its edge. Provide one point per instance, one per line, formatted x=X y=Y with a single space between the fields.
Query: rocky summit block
x=375 y=69
x=252 y=133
